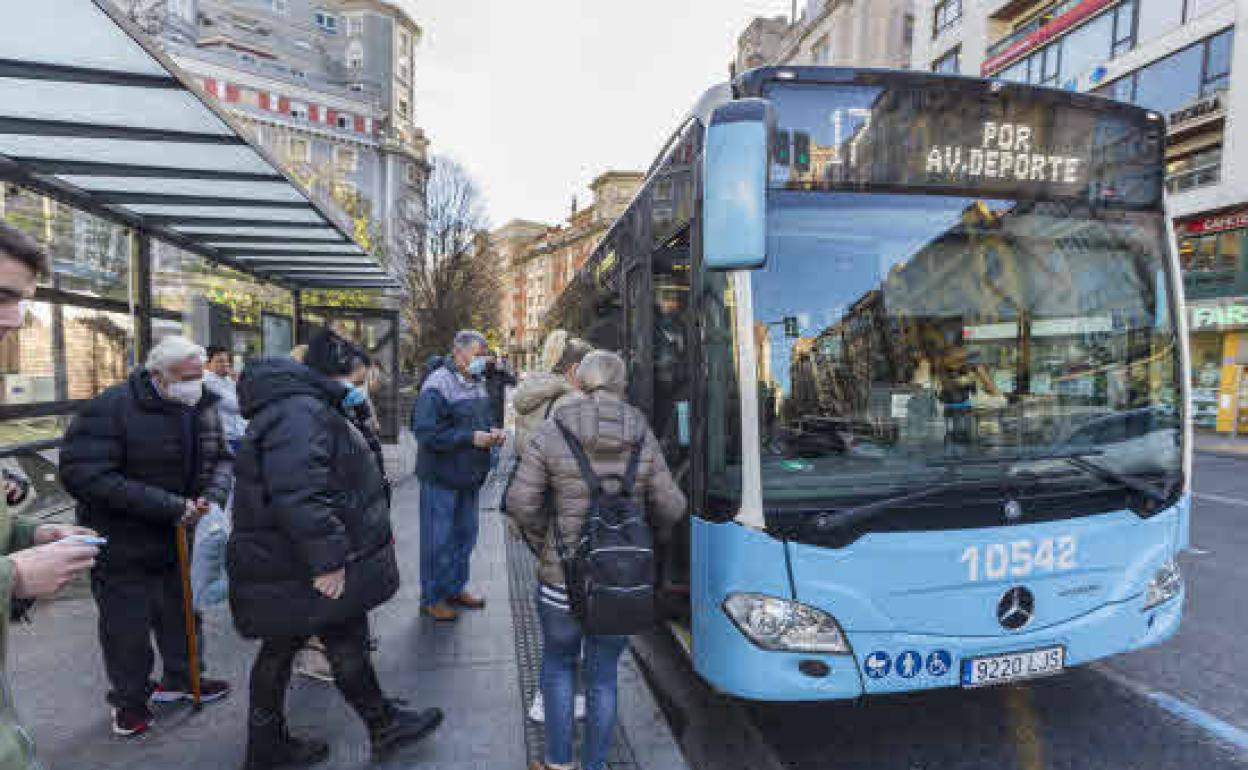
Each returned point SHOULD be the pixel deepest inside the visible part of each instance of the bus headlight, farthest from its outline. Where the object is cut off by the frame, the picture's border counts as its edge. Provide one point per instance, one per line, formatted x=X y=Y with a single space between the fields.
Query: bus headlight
x=1165 y=584
x=783 y=625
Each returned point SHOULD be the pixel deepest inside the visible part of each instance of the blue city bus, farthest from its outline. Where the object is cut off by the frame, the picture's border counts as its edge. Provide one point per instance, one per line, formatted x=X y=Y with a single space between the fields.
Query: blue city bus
x=912 y=345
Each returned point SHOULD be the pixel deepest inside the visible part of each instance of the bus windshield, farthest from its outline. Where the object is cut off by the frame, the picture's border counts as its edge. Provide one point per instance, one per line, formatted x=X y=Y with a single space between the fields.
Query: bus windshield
x=902 y=340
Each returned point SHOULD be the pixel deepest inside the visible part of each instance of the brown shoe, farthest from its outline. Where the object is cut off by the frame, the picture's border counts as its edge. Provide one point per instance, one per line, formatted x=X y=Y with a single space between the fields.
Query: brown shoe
x=440 y=611
x=467 y=601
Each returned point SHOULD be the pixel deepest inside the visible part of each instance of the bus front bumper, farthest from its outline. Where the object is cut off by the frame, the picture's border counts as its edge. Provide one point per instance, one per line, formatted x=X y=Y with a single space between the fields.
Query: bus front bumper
x=735 y=666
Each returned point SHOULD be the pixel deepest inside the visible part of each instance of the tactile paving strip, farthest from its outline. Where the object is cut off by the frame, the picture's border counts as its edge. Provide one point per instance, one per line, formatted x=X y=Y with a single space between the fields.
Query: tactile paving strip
x=522 y=586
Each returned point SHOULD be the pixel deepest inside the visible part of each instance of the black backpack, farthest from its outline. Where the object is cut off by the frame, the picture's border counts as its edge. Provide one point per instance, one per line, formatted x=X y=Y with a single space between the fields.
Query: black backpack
x=611 y=573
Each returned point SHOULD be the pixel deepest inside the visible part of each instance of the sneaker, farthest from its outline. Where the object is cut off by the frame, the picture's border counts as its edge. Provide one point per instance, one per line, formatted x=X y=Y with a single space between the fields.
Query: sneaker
x=314 y=665
x=537 y=711
x=128 y=722
x=209 y=690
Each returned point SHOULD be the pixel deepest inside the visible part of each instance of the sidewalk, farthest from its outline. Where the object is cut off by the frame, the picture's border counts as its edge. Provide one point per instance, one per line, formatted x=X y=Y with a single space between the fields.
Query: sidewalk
x=1221 y=444
x=480 y=670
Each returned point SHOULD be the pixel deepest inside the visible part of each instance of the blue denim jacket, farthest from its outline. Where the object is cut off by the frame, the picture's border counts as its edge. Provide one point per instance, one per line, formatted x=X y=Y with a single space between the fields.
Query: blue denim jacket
x=449 y=410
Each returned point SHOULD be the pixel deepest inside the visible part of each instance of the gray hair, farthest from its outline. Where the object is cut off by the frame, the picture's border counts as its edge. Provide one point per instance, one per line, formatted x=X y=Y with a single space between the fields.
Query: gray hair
x=469 y=337
x=171 y=351
x=602 y=370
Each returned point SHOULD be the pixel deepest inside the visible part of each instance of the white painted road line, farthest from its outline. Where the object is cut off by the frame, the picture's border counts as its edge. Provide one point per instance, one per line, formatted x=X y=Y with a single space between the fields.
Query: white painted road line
x=1221 y=499
x=1219 y=728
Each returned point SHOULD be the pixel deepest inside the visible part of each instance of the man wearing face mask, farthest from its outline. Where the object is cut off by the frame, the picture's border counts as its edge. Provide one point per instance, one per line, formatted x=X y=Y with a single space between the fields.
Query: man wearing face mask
x=141 y=458
x=454 y=427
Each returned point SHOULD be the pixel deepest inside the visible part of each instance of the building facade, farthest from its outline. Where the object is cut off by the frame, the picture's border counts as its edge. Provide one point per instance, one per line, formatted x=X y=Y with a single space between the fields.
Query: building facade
x=1187 y=59
x=326 y=86
x=831 y=33
x=538 y=260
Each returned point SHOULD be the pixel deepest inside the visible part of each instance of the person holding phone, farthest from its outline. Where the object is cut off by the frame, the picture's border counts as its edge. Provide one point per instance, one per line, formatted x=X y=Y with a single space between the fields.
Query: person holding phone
x=455 y=429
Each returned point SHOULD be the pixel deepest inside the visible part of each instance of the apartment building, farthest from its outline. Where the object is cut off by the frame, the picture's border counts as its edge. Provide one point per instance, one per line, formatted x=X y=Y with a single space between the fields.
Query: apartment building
x=327 y=86
x=1187 y=59
x=868 y=33
x=538 y=260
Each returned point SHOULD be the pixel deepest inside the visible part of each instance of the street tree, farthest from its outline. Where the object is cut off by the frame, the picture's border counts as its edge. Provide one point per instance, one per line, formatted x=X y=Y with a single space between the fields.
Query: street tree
x=451 y=280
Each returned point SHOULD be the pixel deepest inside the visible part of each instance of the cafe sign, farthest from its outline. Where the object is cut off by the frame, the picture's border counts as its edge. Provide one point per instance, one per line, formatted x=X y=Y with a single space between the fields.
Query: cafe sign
x=1234 y=220
x=1228 y=315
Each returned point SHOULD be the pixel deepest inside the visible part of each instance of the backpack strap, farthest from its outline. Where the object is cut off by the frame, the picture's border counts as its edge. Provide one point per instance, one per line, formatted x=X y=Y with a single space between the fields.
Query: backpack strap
x=634 y=460
x=582 y=459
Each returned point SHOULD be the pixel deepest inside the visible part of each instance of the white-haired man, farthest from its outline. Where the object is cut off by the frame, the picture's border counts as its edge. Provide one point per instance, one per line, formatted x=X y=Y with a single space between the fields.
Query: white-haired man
x=141 y=458
x=455 y=431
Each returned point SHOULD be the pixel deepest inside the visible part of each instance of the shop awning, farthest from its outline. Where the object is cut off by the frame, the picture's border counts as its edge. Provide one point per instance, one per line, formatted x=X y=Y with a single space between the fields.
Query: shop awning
x=92 y=114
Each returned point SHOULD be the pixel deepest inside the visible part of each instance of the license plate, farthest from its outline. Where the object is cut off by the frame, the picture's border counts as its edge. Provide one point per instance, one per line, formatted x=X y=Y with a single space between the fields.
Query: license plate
x=1012 y=666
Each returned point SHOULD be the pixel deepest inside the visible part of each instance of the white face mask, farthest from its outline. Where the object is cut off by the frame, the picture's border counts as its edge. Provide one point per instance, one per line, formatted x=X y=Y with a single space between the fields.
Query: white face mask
x=189 y=392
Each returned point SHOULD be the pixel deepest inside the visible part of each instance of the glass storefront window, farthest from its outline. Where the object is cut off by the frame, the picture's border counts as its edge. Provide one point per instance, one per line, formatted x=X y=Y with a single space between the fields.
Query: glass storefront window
x=65 y=353
x=90 y=255
x=219 y=305
x=1211 y=253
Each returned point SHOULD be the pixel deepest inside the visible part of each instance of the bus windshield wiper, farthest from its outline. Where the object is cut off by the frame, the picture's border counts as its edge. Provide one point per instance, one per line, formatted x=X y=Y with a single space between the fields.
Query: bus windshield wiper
x=1121 y=479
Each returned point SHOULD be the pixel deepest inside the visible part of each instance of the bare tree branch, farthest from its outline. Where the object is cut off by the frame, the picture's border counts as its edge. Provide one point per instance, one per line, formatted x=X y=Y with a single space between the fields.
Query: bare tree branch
x=452 y=280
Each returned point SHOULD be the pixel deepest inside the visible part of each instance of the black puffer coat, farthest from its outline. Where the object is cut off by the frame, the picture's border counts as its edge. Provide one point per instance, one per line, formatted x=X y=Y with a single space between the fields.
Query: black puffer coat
x=309 y=500
x=131 y=459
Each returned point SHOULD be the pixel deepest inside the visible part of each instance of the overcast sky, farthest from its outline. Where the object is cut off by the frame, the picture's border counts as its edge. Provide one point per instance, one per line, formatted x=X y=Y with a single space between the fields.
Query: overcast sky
x=538 y=97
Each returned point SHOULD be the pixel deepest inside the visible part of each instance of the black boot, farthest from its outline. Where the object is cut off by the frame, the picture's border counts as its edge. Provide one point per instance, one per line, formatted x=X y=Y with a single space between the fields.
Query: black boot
x=270 y=744
x=397 y=727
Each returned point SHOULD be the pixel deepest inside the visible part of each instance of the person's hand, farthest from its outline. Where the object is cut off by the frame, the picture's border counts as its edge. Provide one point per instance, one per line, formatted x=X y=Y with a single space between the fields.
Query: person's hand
x=331 y=584
x=15 y=490
x=193 y=512
x=483 y=439
x=45 y=569
x=500 y=436
x=50 y=533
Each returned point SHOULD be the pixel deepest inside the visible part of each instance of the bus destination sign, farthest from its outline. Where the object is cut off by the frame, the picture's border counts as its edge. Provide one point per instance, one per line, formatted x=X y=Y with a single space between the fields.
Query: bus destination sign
x=1023 y=144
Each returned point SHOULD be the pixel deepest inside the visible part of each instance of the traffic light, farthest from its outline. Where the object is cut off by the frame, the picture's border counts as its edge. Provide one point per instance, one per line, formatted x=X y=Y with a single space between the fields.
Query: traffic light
x=782 y=148
x=790 y=326
x=801 y=151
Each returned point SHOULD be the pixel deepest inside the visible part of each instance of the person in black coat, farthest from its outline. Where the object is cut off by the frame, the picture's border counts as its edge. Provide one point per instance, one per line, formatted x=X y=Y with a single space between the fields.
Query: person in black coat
x=497 y=379
x=311 y=551
x=142 y=458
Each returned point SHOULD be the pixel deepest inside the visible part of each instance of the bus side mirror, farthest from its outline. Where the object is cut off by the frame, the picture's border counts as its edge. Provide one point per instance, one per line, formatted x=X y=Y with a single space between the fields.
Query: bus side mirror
x=734 y=191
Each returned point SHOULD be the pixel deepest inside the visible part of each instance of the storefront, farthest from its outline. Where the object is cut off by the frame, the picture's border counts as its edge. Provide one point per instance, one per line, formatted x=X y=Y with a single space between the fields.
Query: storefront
x=1212 y=251
x=160 y=217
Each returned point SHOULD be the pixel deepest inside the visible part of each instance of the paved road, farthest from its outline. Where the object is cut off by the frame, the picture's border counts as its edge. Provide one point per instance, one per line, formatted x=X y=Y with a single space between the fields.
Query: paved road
x=1183 y=705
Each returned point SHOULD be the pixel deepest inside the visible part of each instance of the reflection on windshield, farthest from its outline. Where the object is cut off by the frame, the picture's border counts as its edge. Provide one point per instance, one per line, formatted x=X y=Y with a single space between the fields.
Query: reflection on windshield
x=895 y=334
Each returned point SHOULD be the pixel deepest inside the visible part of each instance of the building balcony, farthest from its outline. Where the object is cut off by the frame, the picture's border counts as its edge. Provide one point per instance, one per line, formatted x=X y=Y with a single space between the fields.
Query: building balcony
x=1016 y=7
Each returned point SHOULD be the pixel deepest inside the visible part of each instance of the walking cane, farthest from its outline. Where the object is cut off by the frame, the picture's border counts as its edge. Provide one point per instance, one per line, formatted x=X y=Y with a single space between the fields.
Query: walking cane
x=188 y=615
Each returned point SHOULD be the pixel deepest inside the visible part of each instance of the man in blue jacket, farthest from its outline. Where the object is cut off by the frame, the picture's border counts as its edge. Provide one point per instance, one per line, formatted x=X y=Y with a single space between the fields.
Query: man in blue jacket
x=454 y=427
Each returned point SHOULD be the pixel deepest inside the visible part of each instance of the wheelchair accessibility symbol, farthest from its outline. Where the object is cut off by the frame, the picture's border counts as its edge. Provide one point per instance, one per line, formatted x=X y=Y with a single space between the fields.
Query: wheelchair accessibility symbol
x=878 y=665
x=939 y=663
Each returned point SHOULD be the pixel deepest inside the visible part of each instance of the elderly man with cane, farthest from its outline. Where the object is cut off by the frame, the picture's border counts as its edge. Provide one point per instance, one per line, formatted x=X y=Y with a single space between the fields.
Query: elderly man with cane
x=145 y=460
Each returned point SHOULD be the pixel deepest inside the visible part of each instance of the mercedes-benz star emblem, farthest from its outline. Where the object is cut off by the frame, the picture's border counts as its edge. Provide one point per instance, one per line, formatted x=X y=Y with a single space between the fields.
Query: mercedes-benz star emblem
x=1016 y=608
x=1013 y=510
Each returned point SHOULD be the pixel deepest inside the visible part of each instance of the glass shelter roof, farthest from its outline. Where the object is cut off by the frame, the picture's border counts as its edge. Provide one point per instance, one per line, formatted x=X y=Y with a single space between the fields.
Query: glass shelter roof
x=93 y=114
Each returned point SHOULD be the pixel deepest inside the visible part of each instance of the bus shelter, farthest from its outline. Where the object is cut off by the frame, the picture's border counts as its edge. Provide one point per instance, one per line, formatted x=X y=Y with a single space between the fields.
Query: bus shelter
x=161 y=215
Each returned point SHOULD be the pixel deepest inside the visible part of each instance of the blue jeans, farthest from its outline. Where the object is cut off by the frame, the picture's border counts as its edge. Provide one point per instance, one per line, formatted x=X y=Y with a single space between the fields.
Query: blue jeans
x=448 y=533
x=561 y=650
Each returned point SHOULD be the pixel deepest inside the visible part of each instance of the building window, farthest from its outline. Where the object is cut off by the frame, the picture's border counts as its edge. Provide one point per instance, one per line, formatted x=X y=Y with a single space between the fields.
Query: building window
x=411 y=173
x=1124 y=29
x=355 y=25
x=944 y=15
x=822 y=51
x=280 y=6
x=343 y=122
x=1179 y=79
x=355 y=55
x=327 y=22
x=299 y=150
x=405 y=44
x=299 y=110
x=405 y=110
x=356 y=87
x=1211 y=253
x=1157 y=17
x=1051 y=65
x=346 y=158
x=950 y=63
x=1198 y=169
x=299 y=74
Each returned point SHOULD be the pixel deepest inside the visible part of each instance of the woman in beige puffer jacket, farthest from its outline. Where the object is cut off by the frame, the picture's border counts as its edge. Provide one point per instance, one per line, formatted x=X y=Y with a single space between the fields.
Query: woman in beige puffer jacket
x=536 y=396
x=608 y=429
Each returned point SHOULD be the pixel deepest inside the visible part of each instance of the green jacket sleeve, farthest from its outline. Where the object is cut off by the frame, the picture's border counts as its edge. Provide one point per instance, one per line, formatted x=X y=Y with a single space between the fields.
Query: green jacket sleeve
x=23 y=533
